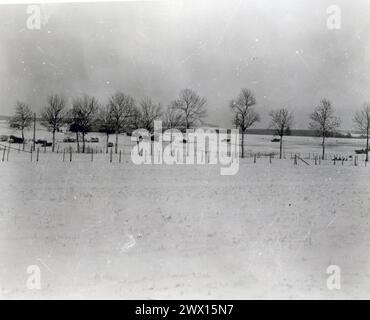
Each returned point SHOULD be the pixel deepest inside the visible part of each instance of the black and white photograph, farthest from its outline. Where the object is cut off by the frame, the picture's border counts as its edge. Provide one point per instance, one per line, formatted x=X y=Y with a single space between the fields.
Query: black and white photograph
x=185 y=150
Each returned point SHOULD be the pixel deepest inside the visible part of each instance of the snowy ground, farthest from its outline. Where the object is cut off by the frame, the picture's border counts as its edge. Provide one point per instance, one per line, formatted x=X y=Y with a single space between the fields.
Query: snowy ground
x=116 y=230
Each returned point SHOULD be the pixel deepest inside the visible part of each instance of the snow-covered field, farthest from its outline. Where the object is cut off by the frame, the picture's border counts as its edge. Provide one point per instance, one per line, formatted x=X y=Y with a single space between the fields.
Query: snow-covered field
x=116 y=230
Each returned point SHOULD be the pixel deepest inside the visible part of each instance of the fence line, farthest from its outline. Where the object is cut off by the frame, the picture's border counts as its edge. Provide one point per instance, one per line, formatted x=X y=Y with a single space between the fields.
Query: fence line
x=205 y=154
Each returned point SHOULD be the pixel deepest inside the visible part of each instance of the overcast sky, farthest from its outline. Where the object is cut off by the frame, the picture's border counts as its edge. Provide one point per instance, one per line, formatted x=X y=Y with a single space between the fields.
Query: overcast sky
x=282 y=50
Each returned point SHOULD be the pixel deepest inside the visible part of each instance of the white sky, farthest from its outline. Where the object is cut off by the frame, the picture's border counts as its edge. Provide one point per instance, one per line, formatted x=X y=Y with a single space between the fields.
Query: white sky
x=281 y=50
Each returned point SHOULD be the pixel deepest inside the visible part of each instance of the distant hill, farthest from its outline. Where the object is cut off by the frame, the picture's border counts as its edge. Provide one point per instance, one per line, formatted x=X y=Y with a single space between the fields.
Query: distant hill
x=298 y=133
x=294 y=132
x=4 y=117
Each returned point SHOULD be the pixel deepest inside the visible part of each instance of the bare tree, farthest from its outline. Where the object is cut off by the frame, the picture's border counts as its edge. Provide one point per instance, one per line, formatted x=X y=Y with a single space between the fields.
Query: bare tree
x=73 y=119
x=148 y=112
x=122 y=107
x=323 y=121
x=134 y=122
x=22 y=118
x=362 y=122
x=105 y=123
x=192 y=106
x=83 y=116
x=244 y=115
x=281 y=121
x=173 y=119
x=53 y=115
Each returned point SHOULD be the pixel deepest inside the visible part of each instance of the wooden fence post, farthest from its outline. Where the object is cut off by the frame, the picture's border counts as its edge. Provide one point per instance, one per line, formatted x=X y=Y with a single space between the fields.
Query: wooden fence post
x=120 y=155
x=111 y=155
x=37 y=154
x=70 y=154
x=31 y=154
x=7 y=155
x=4 y=153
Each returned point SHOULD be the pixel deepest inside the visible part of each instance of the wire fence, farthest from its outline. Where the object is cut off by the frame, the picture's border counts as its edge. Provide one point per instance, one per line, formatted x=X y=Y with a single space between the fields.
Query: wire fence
x=181 y=154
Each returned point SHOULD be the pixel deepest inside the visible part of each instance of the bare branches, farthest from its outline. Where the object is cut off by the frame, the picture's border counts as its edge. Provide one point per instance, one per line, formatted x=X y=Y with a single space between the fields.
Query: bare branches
x=192 y=107
x=246 y=120
x=323 y=119
x=362 y=119
x=362 y=122
x=281 y=121
x=82 y=116
x=105 y=121
x=53 y=115
x=147 y=113
x=173 y=119
x=22 y=118
x=122 y=108
x=84 y=112
x=244 y=115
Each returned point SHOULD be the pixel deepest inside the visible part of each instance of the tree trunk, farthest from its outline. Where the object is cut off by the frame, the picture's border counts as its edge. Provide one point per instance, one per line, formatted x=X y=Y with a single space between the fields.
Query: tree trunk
x=367 y=146
x=23 y=139
x=34 y=132
x=281 y=147
x=78 y=143
x=106 y=146
x=83 y=142
x=53 y=146
x=116 y=146
x=242 y=144
x=323 y=146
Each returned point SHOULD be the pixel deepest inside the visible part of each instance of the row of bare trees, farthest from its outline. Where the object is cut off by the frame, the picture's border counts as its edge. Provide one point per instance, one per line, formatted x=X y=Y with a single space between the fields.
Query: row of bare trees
x=122 y=114
x=245 y=117
x=322 y=119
